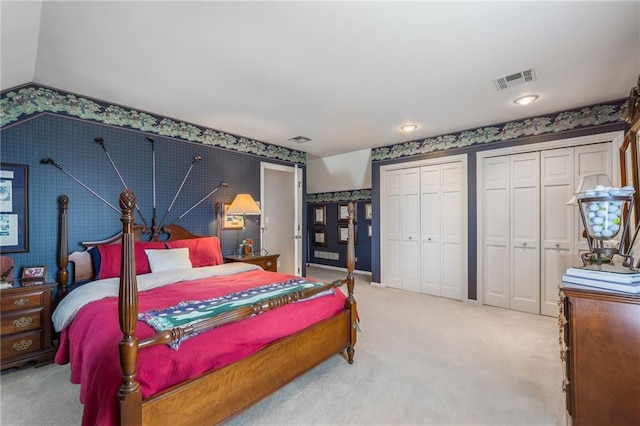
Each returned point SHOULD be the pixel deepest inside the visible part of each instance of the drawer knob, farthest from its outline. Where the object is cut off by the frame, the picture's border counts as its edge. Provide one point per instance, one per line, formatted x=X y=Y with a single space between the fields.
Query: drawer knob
x=22 y=322
x=268 y=263
x=22 y=345
x=21 y=302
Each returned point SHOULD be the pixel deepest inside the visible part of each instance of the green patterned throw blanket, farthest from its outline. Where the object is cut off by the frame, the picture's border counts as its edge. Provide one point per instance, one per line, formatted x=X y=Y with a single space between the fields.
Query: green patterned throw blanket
x=190 y=312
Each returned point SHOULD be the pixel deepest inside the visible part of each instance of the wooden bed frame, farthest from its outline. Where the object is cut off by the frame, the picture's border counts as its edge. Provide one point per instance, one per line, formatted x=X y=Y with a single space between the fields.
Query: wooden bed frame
x=221 y=393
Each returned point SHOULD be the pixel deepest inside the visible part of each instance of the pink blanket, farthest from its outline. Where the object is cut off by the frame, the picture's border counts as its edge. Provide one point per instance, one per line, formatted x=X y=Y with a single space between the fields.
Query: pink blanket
x=91 y=342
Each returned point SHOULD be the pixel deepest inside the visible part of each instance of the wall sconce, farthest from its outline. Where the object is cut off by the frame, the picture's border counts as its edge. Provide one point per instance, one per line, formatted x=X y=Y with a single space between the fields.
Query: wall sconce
x=243 y=205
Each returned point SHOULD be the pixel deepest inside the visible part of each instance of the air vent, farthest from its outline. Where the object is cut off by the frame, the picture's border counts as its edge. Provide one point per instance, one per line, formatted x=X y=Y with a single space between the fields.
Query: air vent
x=300 y=139
x=515 y=79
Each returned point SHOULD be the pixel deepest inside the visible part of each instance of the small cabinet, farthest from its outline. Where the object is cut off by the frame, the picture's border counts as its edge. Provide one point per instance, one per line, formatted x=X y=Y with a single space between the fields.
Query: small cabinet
x=26 y=328
x=268 y=262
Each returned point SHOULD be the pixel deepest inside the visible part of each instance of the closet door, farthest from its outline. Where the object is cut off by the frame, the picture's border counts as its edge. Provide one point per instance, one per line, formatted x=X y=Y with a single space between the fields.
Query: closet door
x=496 y=269
x=392 y=255
x=451 y=231
x=558 y=221
x=431 y=209
x=525 y=232
x=402 y=229
x=410 y=219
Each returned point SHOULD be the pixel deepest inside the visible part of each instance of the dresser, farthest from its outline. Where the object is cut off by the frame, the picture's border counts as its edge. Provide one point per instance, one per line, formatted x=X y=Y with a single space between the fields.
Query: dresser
x=27 y=331
x=600 y=352
x=268 y=262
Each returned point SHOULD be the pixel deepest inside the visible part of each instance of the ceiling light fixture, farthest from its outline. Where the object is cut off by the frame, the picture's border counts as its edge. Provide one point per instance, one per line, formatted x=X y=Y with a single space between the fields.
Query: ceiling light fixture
x=526 y=99
x=408 y=127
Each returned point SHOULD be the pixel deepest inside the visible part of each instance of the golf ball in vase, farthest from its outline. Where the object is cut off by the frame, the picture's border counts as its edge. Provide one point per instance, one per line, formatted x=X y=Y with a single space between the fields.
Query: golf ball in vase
x=604 y=217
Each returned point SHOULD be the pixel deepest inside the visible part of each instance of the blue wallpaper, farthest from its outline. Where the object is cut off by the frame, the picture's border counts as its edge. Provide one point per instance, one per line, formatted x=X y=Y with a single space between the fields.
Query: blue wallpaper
x=70 y=142
x=363 y=240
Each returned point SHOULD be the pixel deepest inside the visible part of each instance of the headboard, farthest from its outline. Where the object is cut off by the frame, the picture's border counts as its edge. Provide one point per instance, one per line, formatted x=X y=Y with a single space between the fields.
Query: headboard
x=83 y=265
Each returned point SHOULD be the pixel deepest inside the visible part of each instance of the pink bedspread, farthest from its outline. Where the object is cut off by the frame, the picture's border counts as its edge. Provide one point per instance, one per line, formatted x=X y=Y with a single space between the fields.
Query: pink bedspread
x=91 y=342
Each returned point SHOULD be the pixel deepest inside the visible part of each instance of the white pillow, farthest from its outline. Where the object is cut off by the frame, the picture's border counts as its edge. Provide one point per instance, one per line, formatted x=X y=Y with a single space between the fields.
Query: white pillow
x=168 y=259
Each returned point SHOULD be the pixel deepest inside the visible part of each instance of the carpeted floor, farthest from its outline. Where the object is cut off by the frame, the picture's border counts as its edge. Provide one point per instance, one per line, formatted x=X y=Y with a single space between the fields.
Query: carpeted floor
x=420 y=360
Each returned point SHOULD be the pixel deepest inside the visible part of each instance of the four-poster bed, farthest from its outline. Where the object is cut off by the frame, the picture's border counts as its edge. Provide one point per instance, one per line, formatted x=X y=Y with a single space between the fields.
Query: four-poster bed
x=282 y=334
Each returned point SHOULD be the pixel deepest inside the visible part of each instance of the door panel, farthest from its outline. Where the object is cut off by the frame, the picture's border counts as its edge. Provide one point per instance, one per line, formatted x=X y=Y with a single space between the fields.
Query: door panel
x=525 y=232
x=557 y=179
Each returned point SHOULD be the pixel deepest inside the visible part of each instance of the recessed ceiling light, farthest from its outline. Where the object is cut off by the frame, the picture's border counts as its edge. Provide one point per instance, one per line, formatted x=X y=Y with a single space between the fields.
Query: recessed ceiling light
x=408 y=127
x=525 y=100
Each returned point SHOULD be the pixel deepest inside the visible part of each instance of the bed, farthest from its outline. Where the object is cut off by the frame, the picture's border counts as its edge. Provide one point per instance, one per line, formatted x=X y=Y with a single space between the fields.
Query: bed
x=141 y=358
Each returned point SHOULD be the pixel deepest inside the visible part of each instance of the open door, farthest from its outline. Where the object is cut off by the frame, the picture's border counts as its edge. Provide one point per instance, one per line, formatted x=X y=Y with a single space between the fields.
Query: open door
x=281 y=219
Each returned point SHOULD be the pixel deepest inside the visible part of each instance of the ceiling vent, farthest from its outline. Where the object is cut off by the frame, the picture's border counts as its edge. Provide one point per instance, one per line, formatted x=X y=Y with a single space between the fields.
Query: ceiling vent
x=515 y=79
x=300 y=139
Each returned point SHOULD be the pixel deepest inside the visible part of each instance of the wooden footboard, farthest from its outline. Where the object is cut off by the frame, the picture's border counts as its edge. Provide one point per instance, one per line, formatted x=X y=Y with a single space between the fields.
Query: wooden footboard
x=221 y=393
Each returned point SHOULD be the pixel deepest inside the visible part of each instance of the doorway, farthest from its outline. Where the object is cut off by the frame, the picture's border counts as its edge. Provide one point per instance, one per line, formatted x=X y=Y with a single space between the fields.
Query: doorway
x=281 y=218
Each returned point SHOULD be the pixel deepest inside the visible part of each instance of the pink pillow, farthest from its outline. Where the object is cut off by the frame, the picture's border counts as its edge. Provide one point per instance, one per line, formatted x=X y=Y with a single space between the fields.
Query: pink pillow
x=203 y=251
x=110 y=258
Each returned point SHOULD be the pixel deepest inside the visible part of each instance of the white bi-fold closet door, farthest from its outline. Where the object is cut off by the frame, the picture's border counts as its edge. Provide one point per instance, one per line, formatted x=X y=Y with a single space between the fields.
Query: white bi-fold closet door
x=528 y=224
x=423 y=227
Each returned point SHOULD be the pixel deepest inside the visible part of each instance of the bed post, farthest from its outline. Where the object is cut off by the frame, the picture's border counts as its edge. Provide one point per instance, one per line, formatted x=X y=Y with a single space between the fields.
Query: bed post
x=350 y=303
x=63 y=248
x=129 y=395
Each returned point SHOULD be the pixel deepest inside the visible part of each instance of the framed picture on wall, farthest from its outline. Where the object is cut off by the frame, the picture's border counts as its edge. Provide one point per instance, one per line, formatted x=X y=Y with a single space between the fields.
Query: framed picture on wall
x=319 y=237
x=343 y=212
x=320 y=215
x=343 y=234
x=231 y=221
x=368 y=212
x=14 y=208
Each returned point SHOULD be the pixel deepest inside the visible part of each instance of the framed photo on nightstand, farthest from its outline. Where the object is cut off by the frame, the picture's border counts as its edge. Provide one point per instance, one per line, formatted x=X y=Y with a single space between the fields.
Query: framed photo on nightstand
x=33 y=273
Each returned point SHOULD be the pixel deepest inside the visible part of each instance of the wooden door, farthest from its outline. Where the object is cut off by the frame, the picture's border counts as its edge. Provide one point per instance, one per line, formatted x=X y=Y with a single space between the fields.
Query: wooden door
x=410 y=220
x=451 y=231
x=525 y=232
x=391 y=254
x=431 y=206
x=496 y=269
x=558 y=227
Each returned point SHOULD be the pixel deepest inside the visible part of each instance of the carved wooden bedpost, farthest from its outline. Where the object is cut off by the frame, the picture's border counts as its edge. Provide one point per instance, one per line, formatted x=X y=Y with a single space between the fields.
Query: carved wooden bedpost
x=63 y=248
x=351 y=301
x=129 y=395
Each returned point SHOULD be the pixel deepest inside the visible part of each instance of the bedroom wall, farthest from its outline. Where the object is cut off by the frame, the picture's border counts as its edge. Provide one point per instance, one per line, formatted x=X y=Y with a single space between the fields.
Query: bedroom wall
x=587 y=120
x=70 y=142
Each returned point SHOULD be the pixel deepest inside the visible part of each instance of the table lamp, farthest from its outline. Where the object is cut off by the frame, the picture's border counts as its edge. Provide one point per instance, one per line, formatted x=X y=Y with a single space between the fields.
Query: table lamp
x=243 y=205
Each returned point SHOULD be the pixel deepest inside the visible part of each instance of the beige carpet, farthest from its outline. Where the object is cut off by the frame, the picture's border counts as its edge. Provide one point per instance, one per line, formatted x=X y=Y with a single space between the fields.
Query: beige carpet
x=420 y=360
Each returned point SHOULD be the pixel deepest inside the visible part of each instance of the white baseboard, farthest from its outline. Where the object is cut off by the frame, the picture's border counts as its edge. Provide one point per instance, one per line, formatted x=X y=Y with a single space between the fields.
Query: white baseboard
x=337 y=268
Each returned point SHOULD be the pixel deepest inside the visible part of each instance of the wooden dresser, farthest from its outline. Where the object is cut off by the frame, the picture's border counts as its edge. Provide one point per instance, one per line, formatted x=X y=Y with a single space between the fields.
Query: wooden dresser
x=600 y=340
x=268 y=262
x=27 y=331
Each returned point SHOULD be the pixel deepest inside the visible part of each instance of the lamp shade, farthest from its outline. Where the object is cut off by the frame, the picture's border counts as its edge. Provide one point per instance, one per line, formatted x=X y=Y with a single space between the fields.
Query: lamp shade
x=243 y=204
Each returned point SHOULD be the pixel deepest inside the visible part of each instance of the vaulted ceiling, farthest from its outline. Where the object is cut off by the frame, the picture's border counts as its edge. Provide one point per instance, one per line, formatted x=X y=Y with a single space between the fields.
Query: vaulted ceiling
x=344 y=74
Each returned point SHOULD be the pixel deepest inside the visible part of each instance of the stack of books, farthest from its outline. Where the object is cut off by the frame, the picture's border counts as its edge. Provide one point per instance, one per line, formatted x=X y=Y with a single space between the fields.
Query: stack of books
x=618 y=279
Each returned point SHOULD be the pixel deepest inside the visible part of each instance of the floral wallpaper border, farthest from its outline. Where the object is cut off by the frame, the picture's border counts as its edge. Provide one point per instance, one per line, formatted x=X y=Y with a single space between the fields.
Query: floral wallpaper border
x=339 y=196
x=21 y=103
x=584 y=117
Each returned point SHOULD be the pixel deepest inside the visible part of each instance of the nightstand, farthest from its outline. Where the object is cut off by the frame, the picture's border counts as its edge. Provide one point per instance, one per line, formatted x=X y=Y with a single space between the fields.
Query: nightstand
x=268 y=262
x=27 y=330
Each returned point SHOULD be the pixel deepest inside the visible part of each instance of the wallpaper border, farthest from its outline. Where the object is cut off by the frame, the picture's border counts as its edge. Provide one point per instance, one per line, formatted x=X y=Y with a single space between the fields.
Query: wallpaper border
x=614 y=111
x=21 y=103
x=340 y=196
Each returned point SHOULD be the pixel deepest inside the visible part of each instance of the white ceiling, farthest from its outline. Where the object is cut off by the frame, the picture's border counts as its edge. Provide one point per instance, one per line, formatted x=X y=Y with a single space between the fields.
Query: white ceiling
x=345 y=74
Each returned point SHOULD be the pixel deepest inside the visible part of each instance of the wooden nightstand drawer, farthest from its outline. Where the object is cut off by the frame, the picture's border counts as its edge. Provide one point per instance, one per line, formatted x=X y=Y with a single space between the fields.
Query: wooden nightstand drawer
x=22 y=344
x=21 y=322
x=25 y=325
x=268 y=262
x=269 y=265
x=13 y=302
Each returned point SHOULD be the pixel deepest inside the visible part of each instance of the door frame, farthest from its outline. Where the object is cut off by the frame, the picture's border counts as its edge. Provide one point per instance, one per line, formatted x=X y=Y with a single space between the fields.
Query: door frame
x=461 y=158
x=297 y=185
x=616 y=139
